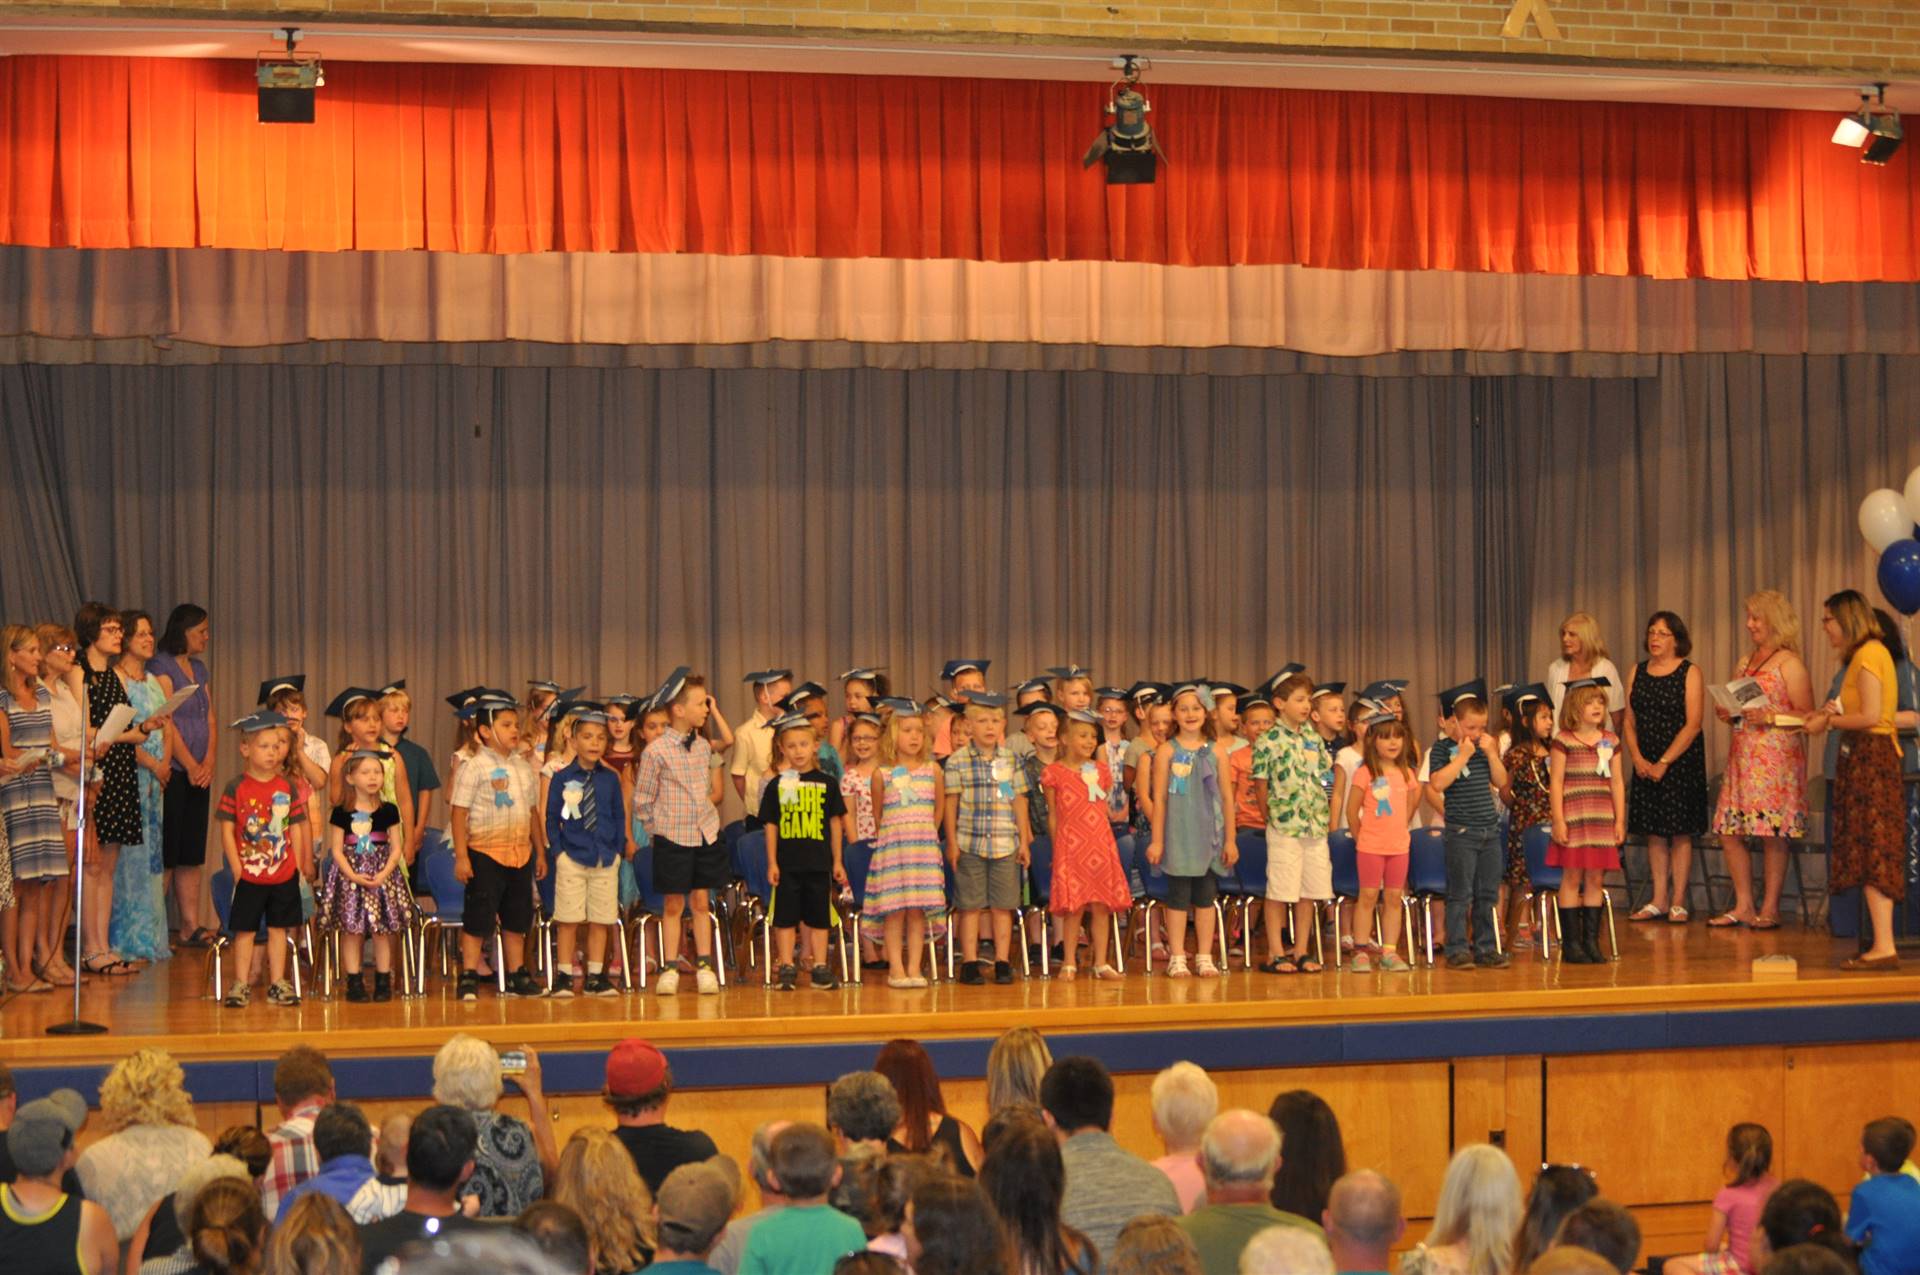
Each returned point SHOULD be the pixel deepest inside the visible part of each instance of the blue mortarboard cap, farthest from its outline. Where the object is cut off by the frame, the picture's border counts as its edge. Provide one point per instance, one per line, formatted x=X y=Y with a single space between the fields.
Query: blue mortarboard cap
x=565 y=702
x=767 y=676
x=1034 y=684
x=1227 y=688
x=347 y=698
x=1252 y=699
x=986 y=699
x=1329 y=688
x=1082 y=715
x=1070 y=672
x=1143 y=692
x=1376 y=691
x=624 y=703
x=1375 y=716
x=1475 y=689
x=1109 y=692
x=871 y=719
x=787 y=721
x=369 y=754
x=1190 y=688
x=258 y=721
x=861 y=674
x=669 y=690
x=954 y=668
x=900 y=706
x=1040 y=706
x=1280 y=675
x=791 y=701
x=483 y=706
x=1579 y=682
x=274 y=685
x=542 y=684
x=397 y=684
x=460 y=699
x=1530 y=693
x=1397 y=684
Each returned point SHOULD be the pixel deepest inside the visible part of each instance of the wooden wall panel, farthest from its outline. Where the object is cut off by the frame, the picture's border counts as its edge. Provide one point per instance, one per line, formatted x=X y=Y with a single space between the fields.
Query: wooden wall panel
x=1831 y=1091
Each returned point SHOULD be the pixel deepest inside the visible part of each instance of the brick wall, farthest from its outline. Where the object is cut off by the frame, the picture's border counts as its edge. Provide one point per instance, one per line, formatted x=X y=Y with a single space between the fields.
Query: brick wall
x=1860 y=38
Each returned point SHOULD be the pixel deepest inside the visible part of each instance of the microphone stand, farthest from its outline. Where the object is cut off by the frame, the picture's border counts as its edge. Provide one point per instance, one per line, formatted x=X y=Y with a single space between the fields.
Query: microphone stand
x=78 y=1026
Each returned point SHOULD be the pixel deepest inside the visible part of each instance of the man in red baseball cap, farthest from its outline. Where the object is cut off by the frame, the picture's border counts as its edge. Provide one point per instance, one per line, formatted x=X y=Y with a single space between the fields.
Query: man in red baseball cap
x=639 y=1081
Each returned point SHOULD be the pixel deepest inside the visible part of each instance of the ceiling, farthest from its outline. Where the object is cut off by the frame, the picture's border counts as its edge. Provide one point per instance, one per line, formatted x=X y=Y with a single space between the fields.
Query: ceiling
x=1253 y=67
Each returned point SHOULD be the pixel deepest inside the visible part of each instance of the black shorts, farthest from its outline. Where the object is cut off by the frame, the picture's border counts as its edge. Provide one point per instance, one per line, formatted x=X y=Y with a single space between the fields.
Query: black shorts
x=183 y=823
x=278 y=903
x=679 y=869
x=497 y=893
x=803 y=898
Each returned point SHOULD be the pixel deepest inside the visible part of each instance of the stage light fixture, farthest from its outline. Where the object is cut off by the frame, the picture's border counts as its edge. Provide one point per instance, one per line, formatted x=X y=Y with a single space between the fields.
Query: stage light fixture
x=286 y=81
x=1127 y=144
x=1875 y=126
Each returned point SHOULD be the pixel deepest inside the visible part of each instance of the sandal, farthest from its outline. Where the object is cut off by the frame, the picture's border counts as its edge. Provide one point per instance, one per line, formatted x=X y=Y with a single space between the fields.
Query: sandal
x=1066 y=973
x=1310 y=966
x=54 y=975
x=1726 y=921
x=99 y=963
x=201 y=939
x=1765 y=923
x=1106 y=973
x=1677 y=915
x=32 y=985
x=1279 y=965
x=1647 y=912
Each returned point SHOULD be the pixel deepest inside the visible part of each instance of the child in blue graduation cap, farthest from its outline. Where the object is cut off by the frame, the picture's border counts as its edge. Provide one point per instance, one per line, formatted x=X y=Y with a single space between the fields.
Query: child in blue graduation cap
x=962 y=677
x=1467 y=769
x=753 y=756
x=1193 y=803
x=1529 y=798
x=1589 y=813
x=989 y=840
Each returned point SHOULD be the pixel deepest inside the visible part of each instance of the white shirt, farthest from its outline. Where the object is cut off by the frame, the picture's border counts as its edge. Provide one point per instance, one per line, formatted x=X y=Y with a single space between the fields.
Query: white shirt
x=1561 y=671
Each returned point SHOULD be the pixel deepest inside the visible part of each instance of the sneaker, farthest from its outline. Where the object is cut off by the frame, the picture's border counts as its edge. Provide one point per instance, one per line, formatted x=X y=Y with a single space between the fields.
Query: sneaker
x=1203 y=967
x=562 y=986
x=1177 y=968
x=1362 y=963
x=356 y=989
x=1392 y=964
x=1003 y=972
x=468 y=986
x=1498 y=961
x=282 y=993
x=971 y=975
x=706 y=980
x=382 y=988
x=240 y=997
x=521 y=983
x=599 y=985
x=668 y=983
x=1457 y=961
x=787 y=978
x=823 y=978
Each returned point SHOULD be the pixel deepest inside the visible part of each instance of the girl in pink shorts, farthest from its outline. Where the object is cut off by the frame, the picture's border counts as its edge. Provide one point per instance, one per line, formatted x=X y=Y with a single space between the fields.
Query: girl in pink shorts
x=1381 y=801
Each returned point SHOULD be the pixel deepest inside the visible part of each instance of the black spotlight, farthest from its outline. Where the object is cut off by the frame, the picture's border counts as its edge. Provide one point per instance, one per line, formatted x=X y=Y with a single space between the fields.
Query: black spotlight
x=1127 y=144
x=1875 y=127
x=286 y=82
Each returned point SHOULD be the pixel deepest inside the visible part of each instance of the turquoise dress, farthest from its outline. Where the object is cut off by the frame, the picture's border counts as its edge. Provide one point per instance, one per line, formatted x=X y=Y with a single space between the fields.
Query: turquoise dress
x=138 y=926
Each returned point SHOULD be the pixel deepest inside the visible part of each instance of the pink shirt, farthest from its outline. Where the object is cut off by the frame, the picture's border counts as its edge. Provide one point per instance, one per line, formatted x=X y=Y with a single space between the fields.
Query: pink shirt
x=1742 y=1205
x=1188 y=1182
x=1385 y=833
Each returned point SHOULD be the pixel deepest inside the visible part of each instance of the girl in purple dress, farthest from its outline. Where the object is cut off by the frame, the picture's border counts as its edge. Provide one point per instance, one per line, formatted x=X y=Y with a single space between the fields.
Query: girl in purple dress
x=366 y=893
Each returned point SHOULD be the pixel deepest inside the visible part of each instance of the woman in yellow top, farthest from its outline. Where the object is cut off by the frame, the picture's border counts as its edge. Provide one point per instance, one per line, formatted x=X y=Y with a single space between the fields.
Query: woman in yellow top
x=1865 y=802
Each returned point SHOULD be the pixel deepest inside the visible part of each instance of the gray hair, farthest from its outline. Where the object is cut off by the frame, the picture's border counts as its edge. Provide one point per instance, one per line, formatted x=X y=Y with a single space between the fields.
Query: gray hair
x=1240 y=1147
x=1286 y=1250
x=195 y=1179
x=1184 y=1100
x=1365 y=1207
x=863 y=1106
x=760 y=1154
x=466 y=1074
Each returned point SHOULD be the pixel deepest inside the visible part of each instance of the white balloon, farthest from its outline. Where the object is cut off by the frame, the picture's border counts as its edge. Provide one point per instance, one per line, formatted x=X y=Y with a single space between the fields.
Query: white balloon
x=1884 y=518
x=1913 y=496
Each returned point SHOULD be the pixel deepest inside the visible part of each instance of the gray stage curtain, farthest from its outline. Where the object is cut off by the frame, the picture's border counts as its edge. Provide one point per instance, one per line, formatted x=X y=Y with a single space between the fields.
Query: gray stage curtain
x=452 y=524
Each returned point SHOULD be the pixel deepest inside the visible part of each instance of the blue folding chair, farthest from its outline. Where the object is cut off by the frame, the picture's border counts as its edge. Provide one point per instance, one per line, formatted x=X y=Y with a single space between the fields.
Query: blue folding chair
x=1039 y=886
x=1156 y=897
x=857 y=858
x=1427 y=877
x=1545 y=882
x=1248 y=885
x=447 y=919
x=1346 y=889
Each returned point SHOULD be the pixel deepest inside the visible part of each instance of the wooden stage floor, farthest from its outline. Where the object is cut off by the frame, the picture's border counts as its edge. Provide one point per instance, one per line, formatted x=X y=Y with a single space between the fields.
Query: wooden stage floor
x=1665 y=968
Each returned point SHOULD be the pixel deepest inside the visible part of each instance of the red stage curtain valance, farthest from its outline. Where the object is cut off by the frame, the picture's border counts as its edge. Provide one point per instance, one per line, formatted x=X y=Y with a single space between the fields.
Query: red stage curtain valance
x=118 y=152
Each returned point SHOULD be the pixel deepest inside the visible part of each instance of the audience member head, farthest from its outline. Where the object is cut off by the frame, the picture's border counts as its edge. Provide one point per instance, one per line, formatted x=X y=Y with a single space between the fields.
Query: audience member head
x=390 y=1152
x=194 y=1179
x=1479 y=1208
x=316 y=1237
x=1749 y=1153
x=496 y=1250
x=1184 y=1098
x=1798 y=1212
x=1807 y=1259
x=639 y=1080
x=466 y=1074
x=440 y=1150
x=1603 y=1227
x=1154 y=1244
x=146 y=1087
x=1557 y=1192
x=1885 y=1144
x=40 y=1137
x=889 y=1183
x=1077 y=1094
x=1007 y=1117
x=1363 y=1220
x=909 y=1069
x=1286 y=1250
x=695 y=1202
x=1015 y=1066
x=559 y=1231
x=340 y=1129
x=301 y=1075
x=862 y=1107
x=1312 y=1153
x=951 y=1229
x=1024 y=1179
x=596 y=1178
x=760 y=1160
x=801 y=1162
x=1569 y=1261
x=246 y=1144
x=1239 y=1154
x=227 y=1226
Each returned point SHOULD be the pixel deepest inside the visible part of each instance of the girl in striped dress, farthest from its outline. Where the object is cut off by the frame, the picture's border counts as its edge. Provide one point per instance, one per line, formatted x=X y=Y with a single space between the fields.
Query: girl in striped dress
x=905 y=881
x=1589 y=798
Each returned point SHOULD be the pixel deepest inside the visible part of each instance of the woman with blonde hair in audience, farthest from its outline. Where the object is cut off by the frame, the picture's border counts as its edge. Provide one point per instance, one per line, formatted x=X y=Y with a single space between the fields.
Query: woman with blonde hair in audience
x=151 y=1138
x=1475 y=1220
x=316 y=1237
x=1583 y=654
x=1014 y=1067
x=597 y=1179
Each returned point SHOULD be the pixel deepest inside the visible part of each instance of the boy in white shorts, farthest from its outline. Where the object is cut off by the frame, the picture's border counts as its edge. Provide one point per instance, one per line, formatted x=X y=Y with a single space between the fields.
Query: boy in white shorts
x=1290 y=768
x=586 y=830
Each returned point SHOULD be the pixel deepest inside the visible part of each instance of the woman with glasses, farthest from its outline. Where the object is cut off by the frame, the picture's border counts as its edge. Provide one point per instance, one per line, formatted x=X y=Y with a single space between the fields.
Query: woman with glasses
x=1667 y=798
x=113 y=807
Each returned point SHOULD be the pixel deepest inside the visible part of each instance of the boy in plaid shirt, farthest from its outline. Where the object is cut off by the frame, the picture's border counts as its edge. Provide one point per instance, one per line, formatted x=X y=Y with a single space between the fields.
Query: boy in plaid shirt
x=673 y=797
x=988 y=835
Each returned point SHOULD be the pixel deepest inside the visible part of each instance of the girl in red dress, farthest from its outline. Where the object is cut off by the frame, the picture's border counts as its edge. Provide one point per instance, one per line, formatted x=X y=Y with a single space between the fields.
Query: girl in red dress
x=1589 y=798
x=1087 y=876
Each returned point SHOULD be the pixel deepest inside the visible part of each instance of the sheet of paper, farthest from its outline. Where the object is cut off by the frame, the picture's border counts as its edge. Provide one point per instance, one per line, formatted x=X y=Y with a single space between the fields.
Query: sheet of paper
x=116 y=724
x=175 y=700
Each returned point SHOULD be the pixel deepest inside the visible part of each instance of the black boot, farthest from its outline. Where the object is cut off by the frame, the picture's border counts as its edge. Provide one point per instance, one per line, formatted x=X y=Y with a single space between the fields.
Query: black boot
x=382 y=986
x=356 y=989
x=1596 y=918
x=1573 y=936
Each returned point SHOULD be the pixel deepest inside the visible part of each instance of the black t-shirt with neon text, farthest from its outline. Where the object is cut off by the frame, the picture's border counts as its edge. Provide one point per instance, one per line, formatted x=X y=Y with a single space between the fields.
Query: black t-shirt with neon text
x=800 y=806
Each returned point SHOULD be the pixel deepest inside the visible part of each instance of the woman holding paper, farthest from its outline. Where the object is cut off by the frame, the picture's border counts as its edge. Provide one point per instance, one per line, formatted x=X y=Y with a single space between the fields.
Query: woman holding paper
x=114 y=806
x=1763 y=796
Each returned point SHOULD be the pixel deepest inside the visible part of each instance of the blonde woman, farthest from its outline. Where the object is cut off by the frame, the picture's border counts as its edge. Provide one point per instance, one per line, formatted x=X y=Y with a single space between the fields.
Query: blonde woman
x=151 y=1139
x=597 y=1179
x=1475 y=1220
x=1583 y=654
x=1015 y=1065
x=1763 y=796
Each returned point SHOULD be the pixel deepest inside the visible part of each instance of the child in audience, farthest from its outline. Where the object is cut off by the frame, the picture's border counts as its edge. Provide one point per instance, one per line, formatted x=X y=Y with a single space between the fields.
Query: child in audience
x=266 y=838
x=988 y=835
x=1529 y=800
x=1466 y=768
x=359 y=712
x=861 y=692
x=801 y=809
x=1193 y=803
x=807 y=1235
x=1086 y=863
x=1736 y=1209
x=673 y=798
x=1883 y=1217
x=1381 y=800
x=491 y=827
x=365 y=896
x=396 y=715
x=753 y=743
x=1589 y=797
x=904 y=881
x=1289 y=776
x=586 y=824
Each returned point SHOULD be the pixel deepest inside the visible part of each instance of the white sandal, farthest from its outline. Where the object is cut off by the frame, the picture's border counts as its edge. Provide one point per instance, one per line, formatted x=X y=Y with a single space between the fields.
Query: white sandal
x=1177 y=968
x=1106 y=973
x=1203 y=967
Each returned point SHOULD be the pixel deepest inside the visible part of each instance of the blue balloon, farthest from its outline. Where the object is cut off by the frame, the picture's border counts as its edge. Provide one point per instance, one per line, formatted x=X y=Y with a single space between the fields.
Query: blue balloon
x=1900 y=575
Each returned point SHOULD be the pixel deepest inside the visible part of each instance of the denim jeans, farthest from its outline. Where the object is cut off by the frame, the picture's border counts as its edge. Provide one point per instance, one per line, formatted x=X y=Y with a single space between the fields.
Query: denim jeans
x=1474 y=865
